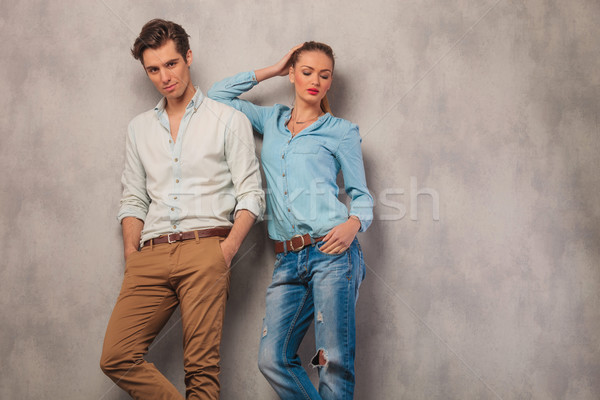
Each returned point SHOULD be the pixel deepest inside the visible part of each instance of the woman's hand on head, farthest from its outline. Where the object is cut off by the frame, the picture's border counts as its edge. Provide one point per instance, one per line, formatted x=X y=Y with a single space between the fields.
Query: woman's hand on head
x=282 y=67
x=340 y=237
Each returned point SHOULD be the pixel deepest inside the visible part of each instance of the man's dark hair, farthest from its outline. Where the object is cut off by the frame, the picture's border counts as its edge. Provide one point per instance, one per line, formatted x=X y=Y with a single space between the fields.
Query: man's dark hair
x=156 y=33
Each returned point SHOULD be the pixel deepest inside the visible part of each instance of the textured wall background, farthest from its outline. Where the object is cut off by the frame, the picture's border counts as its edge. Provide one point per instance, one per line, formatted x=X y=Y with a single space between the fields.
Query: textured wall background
x=492 y=106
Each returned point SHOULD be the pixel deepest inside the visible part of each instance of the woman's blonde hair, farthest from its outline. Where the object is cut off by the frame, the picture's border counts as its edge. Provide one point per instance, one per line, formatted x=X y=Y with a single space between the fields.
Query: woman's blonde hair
x=323 y=48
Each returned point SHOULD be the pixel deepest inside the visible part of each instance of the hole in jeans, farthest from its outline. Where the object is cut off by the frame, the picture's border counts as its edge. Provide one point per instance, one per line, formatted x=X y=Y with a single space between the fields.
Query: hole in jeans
x=320 y=359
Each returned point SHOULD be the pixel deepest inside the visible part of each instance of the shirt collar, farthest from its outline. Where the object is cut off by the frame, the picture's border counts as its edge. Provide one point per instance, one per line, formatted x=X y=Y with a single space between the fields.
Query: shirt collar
x=194 y=103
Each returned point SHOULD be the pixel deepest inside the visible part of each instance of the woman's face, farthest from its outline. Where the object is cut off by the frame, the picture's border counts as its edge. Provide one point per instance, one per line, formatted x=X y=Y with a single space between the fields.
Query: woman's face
x=312 y=76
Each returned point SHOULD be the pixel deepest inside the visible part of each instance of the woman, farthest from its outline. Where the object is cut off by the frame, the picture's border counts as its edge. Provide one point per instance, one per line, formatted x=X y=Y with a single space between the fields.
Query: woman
x=319 y=264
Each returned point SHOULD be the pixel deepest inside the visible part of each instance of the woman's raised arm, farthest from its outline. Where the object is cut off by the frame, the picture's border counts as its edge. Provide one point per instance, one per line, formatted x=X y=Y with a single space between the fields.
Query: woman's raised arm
x=280 y=68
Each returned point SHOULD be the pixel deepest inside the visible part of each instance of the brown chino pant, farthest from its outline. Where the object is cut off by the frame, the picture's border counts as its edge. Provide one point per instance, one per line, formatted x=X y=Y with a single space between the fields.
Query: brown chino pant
x=192 y=274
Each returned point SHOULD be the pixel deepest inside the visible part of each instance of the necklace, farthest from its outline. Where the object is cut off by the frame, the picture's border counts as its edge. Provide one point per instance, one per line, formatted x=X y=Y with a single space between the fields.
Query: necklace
x=293 y=130
x=295 y=115
x=308 y=120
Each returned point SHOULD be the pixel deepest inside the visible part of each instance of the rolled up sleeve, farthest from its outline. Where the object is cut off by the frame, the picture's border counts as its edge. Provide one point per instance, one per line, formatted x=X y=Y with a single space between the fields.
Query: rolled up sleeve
x=135 y=200
x=245 y=173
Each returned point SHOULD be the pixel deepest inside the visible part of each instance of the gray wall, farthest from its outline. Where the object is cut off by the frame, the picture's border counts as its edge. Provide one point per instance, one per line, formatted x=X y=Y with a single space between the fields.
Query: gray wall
x=484 y=111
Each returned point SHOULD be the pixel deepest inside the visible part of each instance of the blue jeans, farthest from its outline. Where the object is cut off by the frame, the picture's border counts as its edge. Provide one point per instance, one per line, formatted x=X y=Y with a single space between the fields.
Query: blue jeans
x=308 y=285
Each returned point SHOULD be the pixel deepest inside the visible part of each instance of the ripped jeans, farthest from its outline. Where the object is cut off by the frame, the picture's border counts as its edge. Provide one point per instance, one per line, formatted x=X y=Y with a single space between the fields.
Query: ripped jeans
x=308 y=285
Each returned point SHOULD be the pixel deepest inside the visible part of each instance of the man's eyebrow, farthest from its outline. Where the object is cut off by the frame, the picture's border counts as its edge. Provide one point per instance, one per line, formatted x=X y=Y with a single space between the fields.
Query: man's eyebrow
x=165 y=63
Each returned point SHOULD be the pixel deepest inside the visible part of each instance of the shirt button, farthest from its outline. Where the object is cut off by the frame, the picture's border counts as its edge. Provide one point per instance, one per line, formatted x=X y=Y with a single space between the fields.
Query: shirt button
x=177 y=159
x=283 y=156
x=175 y=198
x=289 y=210
x=174 y=226
x=285 y=193
x=170 y=141
x=176 y=180
x=283 y=174
x=172 y=209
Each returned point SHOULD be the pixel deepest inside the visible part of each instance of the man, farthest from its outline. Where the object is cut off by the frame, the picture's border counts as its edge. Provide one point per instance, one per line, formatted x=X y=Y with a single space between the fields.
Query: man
x=190 y=164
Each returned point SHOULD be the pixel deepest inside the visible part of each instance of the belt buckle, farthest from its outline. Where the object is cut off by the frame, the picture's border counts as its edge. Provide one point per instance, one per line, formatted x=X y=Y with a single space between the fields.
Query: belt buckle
x=292 y=243
x=175 y=240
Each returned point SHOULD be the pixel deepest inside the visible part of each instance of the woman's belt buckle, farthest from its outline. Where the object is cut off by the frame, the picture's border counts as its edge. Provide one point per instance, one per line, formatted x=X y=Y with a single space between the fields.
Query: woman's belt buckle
x=292 y=247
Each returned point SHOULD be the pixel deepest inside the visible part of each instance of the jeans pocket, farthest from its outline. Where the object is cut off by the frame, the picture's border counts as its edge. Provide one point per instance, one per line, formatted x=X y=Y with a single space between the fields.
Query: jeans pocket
x=361 y=259
x=278 y=260
x=320 y=244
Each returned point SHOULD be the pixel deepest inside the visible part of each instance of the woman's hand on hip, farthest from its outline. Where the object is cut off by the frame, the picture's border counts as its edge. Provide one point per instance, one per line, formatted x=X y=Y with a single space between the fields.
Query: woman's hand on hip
x=340 y=237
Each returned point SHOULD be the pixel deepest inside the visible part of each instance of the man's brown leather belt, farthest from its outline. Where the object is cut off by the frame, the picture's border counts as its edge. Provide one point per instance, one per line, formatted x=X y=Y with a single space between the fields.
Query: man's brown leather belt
x=179 y=236
x=296 y=243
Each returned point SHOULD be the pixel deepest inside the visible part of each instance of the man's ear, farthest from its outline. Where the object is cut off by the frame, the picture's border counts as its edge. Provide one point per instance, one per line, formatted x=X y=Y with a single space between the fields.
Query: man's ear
x=189 y=57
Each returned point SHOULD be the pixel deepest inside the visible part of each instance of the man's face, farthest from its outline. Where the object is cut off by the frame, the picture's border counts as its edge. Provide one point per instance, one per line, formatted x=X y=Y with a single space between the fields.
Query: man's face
x=167 y=70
